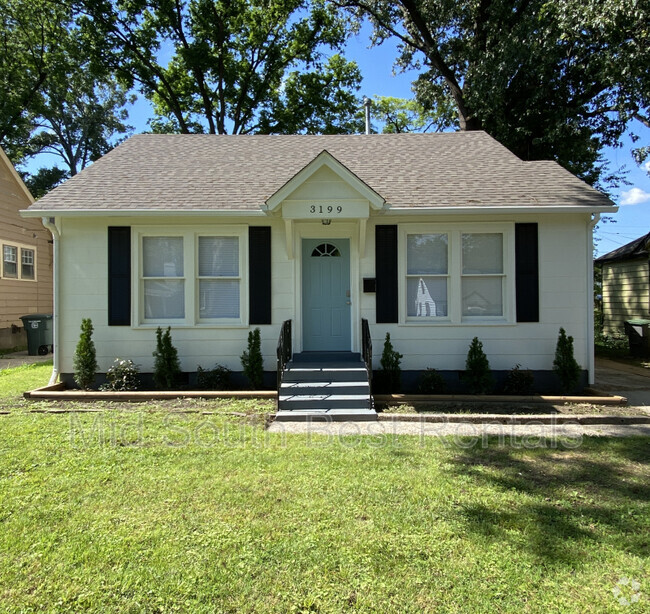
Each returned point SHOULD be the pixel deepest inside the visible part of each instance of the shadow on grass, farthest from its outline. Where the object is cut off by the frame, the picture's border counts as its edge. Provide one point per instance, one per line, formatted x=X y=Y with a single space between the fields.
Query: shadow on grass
x=597 y=493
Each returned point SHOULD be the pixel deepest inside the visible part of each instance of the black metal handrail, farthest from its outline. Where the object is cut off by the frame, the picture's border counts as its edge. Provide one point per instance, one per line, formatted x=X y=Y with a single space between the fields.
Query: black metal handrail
x=366 y=349
x=283 y=350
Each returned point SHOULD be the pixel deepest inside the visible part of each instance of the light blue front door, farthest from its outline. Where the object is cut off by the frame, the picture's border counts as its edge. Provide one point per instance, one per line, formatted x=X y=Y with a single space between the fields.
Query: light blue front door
x=326 y=294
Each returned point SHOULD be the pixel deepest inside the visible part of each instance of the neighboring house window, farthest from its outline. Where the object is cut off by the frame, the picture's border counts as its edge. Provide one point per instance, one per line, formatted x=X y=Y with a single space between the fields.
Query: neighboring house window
x=219 y=278
x=10 y=261
x=453 y=274
x=193 y=277
x=27 y=263
x=163 y=278
x=18 y=262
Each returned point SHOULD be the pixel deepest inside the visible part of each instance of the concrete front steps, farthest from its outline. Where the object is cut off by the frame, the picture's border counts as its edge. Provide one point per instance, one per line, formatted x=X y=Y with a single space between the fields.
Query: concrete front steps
x=325 y=386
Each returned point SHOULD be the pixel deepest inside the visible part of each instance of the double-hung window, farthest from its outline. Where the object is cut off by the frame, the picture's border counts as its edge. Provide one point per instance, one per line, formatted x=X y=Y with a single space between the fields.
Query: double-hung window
x=163 y=275
x=482 y=274
x=18 y=262
x=191 y=276
x=219 y=280
x=10 y=261
x=427 y=275
x=457 y=273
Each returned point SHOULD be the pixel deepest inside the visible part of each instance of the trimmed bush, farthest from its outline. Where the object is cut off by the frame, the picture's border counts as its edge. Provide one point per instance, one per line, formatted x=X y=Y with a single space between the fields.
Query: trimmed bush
x=432 y=382
x=565 y=365
x=122 y=375
x=85 y=357
x=213 y=379
x=477 y=375
x=167 y=368
x=519 y=381
x=252 y=361
x=390 y=376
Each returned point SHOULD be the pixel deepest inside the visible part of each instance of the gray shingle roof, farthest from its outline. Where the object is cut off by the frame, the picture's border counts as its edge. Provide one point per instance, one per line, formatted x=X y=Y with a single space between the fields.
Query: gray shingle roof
x=634 y=249
x=189 y=172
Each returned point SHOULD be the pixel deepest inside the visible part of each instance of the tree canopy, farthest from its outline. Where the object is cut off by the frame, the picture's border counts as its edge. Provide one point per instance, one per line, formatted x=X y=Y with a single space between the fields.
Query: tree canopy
x=549 y=79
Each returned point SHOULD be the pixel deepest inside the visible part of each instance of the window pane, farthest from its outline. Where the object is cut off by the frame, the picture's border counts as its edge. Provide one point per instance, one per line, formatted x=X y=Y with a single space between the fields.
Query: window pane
x=482 y=253
x=219 y=298
x=426 y=297
x=10 y=261
x=218 y=256
x=27 y=269
x=426 y=254
x=164 y=299
x=162 y=256
x=482 y=296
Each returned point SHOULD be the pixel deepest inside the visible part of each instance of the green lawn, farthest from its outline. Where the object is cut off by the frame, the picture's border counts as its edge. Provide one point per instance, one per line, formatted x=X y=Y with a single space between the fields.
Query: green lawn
x=139 y=509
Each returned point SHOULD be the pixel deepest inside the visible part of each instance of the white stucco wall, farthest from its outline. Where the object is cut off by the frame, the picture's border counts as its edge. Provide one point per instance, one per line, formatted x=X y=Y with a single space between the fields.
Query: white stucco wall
x=563 y=279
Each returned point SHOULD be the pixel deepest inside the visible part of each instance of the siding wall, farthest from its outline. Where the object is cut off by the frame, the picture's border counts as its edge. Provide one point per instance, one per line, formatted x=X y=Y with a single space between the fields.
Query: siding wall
x=563 y=247
x=625 y=293
x=21 y=297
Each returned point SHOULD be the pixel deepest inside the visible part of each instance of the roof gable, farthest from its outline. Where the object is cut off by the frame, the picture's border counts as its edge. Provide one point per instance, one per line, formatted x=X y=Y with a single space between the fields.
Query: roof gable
x=20 y=184
x=325 y=168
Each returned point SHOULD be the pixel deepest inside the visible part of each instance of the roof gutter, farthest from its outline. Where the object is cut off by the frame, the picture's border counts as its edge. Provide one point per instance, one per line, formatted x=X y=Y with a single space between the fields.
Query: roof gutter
x=50 y=224
x=507 y=209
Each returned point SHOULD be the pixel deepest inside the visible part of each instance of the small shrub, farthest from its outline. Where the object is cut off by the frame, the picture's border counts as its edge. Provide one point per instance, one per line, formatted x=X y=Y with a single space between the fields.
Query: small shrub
x=519 y=381
x=167 y=368
x=85 y=357
x=122 y=375
x=432 y=382
x=252 y=361
x=565 y=365
x=390 y=376
x=213 y=379
x=477 y=369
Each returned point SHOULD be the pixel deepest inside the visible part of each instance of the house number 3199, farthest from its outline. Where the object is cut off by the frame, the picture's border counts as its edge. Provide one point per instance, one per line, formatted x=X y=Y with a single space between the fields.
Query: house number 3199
x=325 y=209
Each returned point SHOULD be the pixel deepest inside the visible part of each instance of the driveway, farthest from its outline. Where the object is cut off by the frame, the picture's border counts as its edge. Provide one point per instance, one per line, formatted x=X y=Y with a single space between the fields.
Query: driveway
x=18 y=359
x=628 y=381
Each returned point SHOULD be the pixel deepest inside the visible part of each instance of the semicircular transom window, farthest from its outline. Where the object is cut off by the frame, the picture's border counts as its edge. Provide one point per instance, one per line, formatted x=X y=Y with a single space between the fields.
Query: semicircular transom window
x=326 y=250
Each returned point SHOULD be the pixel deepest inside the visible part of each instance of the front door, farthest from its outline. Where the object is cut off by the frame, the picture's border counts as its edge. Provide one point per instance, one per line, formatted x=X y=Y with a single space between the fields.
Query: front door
x=326 y=294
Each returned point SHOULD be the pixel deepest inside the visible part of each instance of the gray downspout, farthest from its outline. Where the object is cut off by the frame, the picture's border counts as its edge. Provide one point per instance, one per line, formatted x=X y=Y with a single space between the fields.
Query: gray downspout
x=50 y=224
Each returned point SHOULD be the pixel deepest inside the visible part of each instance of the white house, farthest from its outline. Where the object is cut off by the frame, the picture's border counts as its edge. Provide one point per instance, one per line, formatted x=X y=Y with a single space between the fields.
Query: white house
x=434 y=238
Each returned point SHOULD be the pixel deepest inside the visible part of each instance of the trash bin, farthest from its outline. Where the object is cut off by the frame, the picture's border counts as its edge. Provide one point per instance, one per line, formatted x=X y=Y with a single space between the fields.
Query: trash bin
x=638 y=335
x=38 y=327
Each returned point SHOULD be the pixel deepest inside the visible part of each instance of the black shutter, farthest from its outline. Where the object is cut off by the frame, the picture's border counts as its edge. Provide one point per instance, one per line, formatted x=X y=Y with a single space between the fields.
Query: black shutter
x=386 y=273
x=119 y=276
x=259 y=274
x=527 y=272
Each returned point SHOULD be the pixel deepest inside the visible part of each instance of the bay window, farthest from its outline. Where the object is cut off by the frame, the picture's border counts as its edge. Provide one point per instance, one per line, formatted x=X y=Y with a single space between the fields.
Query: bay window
x=454 y=273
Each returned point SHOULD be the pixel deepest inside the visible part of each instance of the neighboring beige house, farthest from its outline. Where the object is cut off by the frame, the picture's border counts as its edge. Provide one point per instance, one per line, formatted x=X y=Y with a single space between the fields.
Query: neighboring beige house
x=26 y=268
x=433 y=238
x=626 y=285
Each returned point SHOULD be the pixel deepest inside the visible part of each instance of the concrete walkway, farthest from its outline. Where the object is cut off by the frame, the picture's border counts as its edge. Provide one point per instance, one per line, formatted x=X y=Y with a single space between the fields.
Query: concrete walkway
x=524 y=435
x=18 y=359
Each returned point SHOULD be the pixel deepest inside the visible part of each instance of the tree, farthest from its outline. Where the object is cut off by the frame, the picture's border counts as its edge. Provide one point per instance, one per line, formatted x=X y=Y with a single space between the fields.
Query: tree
x=549 y=80
x=31 y=33
x=404 y=115
x=227 y=67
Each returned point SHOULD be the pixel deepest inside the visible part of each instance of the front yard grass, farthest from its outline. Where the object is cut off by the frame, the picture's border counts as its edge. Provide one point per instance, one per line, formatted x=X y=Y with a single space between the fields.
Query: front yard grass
x=139 y=509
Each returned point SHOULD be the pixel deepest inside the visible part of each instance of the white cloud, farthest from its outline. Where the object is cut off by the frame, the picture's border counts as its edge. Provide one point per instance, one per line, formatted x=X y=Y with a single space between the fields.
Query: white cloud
x=646 y=166
x=634 y=196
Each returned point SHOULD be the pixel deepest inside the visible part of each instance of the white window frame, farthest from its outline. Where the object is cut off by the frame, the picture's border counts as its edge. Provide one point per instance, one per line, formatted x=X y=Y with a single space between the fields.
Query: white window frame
x=220 y=232
x=190 y=236
x=20 y=248
x=454 y=232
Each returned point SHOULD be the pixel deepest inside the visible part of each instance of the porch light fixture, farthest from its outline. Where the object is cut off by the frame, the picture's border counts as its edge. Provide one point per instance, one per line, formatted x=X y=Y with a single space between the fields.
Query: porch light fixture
x=326 y=221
